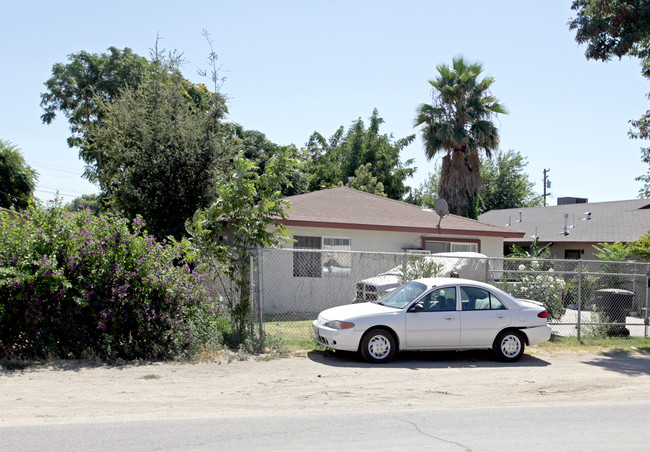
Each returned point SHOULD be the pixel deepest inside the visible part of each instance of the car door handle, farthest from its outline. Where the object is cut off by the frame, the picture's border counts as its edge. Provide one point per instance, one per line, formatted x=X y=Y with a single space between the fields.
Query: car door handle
x=449 y=317
x=501 y=316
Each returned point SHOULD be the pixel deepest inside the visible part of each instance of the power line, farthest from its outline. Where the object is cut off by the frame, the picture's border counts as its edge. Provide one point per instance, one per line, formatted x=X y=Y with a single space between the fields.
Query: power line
x=69 y=189
x=62 y=169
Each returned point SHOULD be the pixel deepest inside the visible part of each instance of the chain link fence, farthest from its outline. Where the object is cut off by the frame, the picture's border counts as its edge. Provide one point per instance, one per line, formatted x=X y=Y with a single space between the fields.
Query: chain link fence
x=583 y=298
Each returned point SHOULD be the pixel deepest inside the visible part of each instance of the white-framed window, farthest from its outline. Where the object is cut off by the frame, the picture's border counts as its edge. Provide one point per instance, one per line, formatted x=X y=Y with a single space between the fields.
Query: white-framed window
x=326 y=257
x=335 y=263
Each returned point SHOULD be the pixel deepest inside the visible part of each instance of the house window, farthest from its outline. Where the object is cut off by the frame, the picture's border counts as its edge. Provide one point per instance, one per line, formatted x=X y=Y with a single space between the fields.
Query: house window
x=307 y=263
x=573 y=254
x=443 y=246
x=328 y=262
x=335 y=263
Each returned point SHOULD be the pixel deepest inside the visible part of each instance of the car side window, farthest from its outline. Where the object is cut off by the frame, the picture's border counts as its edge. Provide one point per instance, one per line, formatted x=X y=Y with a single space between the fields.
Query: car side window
x=440 y=300
x=476 y=299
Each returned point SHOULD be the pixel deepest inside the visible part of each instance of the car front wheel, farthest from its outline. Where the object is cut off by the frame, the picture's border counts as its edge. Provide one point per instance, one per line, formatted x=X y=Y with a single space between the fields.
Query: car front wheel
x=378 y=346
x=509 y=346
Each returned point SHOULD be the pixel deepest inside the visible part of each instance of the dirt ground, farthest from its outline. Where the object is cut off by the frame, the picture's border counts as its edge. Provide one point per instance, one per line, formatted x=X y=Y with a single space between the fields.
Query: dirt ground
x=317 y=381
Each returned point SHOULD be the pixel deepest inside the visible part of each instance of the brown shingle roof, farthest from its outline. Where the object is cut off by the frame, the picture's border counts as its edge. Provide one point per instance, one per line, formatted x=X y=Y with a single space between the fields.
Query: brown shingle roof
x=347 y=208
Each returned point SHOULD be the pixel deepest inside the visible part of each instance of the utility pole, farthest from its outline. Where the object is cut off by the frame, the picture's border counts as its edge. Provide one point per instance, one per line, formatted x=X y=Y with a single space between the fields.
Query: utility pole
x=547 y=184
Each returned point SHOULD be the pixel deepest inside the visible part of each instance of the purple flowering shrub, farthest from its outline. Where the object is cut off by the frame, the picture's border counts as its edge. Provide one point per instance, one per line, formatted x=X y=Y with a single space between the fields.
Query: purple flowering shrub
x=73 y=285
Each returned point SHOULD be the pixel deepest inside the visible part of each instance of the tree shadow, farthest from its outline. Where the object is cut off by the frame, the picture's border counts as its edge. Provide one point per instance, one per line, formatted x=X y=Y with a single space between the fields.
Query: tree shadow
x=11 y=367
x=423 y=360
x=623 y=363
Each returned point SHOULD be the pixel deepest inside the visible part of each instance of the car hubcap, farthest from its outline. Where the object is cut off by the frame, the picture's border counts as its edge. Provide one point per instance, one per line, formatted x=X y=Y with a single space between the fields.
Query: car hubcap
x=379 y=347
x=510 y=346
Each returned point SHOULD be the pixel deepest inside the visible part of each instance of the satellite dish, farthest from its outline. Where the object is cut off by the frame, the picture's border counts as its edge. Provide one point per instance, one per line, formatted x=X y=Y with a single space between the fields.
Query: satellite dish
x=442 y=209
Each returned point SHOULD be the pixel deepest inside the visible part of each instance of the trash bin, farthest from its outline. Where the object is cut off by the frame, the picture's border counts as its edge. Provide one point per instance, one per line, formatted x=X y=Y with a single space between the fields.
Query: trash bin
x=616 y=304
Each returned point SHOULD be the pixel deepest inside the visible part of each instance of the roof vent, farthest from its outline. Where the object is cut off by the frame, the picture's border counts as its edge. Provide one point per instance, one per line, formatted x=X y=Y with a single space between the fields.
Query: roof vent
x=350 y=179
x=520 y=217
x=566 y=220
x=587 y=215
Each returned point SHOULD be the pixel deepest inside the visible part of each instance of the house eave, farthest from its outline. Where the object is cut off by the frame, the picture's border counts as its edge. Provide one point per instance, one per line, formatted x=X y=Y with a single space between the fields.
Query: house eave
x=392 y=228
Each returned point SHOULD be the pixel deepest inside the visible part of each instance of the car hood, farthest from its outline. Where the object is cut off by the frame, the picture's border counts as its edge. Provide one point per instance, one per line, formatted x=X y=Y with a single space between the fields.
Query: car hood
x=356 y=310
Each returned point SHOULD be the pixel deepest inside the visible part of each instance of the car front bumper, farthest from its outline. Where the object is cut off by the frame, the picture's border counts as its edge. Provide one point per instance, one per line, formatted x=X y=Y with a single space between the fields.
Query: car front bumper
x=337 y=339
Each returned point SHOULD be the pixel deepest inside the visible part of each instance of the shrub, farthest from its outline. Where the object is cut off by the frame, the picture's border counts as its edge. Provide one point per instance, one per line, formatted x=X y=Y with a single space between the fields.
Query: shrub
x=541 y=286
x=76 y=284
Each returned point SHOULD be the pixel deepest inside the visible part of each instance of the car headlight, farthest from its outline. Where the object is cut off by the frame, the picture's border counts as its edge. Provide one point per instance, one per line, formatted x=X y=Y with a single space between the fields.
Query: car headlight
x=339 y=325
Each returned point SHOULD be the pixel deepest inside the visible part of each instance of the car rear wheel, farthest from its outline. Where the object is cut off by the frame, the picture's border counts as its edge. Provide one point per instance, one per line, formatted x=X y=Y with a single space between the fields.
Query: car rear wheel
x=378 y=346
x=509 y=346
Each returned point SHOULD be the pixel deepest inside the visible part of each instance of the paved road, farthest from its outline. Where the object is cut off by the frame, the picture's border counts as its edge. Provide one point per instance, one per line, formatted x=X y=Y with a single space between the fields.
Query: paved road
x=591 y=427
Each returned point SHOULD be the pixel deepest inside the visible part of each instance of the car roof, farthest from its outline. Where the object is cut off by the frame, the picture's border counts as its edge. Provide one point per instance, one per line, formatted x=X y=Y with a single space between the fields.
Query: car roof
x=435 y=282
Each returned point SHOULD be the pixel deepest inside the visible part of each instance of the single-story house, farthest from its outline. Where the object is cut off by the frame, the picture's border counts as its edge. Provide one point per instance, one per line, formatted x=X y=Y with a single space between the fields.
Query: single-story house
x=574 y=226
x=343 y=236
x=354 y=220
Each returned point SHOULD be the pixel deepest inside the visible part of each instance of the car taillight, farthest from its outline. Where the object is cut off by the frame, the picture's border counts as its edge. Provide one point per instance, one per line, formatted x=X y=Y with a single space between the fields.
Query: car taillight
x=543 y=314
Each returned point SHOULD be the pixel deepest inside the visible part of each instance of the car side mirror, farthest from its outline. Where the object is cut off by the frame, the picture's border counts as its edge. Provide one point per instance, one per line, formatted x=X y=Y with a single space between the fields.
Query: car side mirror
x=417 y=307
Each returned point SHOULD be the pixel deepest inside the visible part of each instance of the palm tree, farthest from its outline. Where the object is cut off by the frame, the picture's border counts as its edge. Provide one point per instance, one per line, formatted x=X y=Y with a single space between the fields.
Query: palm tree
x=459 y=123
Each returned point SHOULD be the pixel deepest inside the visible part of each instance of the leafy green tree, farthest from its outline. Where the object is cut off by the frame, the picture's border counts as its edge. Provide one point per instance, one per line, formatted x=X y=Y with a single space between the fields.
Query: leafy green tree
x=426 y=193
x=505 y=184
x=259 y=149
x=616 y=251
x=245 y=215
x=615 y=28
x=79 y=88
x=95 y=203
x=641 y=247
x=82 y=88
x=614 y=255
x=644 y=192
x=162 y=153
x=458 y=123
x=364 y=181
x=17 y=179
x=331 y=162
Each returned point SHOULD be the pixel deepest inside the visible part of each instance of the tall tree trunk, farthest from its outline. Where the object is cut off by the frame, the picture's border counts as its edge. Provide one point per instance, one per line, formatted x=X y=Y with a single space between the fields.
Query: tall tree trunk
x=460 y=182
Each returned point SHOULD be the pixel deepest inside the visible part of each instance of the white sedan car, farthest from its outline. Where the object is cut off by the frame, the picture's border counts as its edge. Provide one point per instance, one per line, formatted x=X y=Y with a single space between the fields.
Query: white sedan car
x=435 y=314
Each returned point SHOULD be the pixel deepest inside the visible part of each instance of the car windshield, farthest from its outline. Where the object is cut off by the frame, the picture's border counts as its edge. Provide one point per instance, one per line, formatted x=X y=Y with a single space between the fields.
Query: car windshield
x=403 y=296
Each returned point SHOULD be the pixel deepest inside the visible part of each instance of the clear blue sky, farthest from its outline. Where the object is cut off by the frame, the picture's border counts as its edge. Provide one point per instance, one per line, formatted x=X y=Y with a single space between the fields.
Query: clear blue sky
x=294 y=67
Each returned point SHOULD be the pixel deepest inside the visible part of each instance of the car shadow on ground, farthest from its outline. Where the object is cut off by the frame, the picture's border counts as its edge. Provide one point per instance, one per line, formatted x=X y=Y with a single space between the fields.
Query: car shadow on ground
x=623 y=363
x=424 y=360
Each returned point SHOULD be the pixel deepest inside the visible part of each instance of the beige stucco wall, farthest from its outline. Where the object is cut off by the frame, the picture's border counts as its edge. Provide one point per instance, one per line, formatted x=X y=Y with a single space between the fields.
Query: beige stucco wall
x=557 y=250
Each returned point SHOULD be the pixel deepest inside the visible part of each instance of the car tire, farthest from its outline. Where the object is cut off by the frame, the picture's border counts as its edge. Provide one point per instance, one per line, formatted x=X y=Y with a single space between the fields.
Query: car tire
x=378 y=346
x=509 y=346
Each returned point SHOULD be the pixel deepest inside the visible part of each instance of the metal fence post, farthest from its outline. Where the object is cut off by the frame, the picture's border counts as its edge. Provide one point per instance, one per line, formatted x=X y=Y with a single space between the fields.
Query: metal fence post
x=579 y=295
x=647 y=307
x=487 y=270
x=260 y=292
